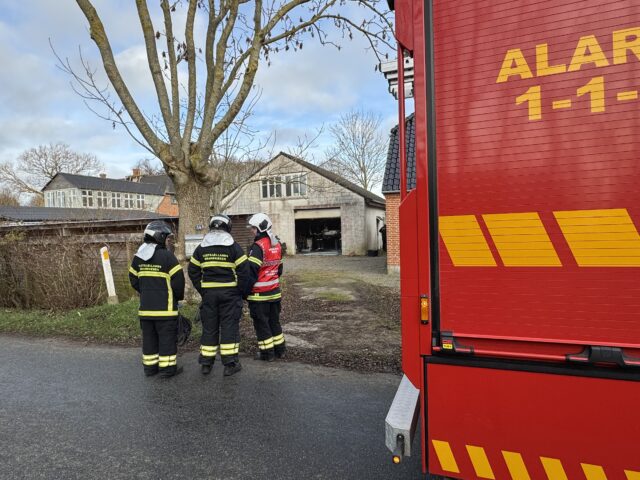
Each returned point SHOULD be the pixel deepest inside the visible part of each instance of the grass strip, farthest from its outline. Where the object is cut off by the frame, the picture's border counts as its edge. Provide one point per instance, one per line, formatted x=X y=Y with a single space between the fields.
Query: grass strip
x=116 y=324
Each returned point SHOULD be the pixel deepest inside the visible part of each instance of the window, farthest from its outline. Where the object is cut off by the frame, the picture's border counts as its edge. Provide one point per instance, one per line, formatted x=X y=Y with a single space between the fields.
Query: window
x=102 y=199
x=294 y=185
x=87 y=198
x=47 y=199
x=73 y=199
x=116 y=200
x=60 y=199
x=140 y=202
x=128 y=200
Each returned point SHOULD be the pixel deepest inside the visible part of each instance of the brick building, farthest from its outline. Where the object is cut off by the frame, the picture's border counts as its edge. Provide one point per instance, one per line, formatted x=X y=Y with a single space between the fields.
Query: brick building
x=391 y=189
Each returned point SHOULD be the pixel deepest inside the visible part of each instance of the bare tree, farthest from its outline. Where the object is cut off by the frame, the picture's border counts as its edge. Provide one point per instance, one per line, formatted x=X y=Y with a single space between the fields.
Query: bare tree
x=240 y=36
x=8 y=198
x=148 y=166
x=36 y=166
x=359 y=150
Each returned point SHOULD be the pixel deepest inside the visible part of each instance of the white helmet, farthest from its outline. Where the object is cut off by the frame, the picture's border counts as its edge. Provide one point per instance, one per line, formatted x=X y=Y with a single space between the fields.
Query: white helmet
x=261 y=221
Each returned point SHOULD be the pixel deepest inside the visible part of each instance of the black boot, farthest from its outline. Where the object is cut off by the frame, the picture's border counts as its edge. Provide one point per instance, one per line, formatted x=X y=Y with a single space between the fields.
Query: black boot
x=206 y=369
x=150 y=372
x=265 y=356
x=280 y=352
x=232 y=368
x=171 y=372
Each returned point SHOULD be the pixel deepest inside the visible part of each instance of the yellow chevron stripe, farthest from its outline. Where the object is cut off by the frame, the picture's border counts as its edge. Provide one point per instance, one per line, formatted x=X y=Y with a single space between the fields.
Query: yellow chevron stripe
x=480 y=462
x=593 y=472
x=516 y=466
x=445 y=456
x=601 y=238
x=554 y=469
x=632 y=475
x=465 y=241
x=522 y=240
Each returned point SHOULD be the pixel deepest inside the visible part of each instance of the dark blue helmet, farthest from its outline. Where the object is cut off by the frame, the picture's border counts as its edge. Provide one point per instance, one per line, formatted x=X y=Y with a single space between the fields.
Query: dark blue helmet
x=157 y=232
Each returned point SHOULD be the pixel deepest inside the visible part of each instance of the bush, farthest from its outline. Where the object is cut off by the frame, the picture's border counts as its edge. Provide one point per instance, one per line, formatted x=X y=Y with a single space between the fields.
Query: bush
x=52 y=273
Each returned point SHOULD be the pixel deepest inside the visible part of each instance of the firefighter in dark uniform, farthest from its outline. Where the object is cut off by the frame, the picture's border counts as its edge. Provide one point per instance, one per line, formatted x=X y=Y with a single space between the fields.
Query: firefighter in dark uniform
x=265 y=267
x=218 y=271
x=157 y=276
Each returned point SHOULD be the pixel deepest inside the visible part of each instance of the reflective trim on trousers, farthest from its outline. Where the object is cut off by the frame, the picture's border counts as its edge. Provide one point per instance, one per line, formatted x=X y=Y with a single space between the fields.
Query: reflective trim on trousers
x=208 y=351
x=266 y=344
x=167 y=361
x=229 y=348
x=150 y=360
x=278 y=339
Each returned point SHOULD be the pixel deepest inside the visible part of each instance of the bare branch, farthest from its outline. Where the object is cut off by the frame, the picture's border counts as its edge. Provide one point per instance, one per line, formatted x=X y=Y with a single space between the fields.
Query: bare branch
x=101 y=40
x=192 y=92
x=156 y=70
x=173 y=63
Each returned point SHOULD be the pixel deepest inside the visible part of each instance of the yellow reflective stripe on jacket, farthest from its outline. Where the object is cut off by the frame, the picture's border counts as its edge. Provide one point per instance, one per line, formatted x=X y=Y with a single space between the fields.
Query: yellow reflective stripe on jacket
x=157 y=313
x=218 y=264
x=242 y=259
x=264 y=298
x=255 y=260
x=194 y=261
x=218 y=284
x=132 y=271
x=175 y=270
x=144 y=273
x=169 y=289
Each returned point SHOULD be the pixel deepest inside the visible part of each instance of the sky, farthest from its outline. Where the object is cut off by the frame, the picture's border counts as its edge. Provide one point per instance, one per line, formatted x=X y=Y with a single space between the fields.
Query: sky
x=300 y=92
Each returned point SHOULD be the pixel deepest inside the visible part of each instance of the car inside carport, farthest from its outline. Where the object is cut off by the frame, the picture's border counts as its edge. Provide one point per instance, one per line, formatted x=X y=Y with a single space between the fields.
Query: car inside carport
x=319 y=236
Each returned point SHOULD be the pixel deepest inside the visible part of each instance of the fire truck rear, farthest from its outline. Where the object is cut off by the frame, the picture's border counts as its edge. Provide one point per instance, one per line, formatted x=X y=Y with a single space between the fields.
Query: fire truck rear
x=520 y=252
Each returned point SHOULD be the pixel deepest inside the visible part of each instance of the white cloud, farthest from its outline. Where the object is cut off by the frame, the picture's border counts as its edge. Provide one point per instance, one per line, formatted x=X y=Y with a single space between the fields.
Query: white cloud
x=301 y=91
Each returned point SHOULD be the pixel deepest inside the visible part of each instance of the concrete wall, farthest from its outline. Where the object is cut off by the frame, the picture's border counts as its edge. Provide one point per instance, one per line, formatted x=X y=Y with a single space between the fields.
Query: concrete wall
x=321 y=193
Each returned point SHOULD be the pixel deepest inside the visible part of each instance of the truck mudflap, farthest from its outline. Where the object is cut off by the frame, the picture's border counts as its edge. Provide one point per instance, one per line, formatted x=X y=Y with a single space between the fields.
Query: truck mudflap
x=527 y=421
x=402 y=418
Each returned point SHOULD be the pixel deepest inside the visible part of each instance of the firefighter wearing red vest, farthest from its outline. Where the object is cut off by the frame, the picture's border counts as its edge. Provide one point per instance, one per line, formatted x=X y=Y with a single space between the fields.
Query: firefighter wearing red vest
x=218 y=271
x=157 y=276
x=265 y=267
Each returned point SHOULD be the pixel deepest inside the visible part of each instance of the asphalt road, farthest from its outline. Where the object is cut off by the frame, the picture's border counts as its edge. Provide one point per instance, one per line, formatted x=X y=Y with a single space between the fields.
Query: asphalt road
x=69 y=411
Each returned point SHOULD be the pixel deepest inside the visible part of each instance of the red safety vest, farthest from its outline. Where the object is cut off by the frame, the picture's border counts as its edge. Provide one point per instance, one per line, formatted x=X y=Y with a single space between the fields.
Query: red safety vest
x=268 y=274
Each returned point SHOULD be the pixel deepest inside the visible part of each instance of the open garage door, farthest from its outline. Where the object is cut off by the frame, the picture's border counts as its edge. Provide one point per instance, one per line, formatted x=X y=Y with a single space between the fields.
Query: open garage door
x=318 y=231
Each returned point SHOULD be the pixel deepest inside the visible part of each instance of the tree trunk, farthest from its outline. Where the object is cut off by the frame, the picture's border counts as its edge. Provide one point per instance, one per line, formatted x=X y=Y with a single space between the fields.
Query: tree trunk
x=194 y=200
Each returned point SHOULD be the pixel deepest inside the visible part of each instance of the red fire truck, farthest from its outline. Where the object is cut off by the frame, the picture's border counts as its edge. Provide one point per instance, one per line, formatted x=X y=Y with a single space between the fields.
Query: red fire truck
x=520 y=251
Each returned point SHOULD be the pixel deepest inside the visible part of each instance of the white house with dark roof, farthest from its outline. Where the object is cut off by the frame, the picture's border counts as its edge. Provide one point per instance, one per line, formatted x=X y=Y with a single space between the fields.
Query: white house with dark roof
x=313 y=210
x=81 y=191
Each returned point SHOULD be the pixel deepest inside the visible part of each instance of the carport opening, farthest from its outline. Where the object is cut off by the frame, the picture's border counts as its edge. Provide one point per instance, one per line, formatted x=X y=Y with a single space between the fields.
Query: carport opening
x=319 y=236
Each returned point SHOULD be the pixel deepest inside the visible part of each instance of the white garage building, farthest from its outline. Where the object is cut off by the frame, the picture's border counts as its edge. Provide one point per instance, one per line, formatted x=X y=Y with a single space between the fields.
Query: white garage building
x=313 y=210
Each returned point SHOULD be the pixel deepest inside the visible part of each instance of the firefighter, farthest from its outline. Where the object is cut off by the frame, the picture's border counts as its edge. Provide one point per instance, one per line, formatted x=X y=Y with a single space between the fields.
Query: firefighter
x=218 y=271
x=157 y=276
x=265 y=267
